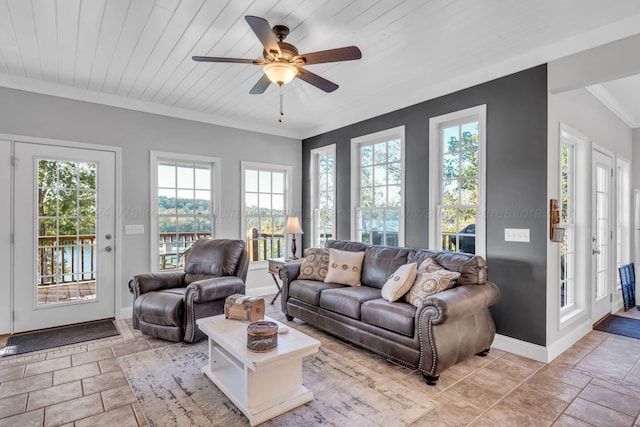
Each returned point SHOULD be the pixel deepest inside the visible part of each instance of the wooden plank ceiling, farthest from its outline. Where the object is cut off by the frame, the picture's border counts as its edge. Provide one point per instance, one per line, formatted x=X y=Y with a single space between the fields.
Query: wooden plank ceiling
x=137 y=53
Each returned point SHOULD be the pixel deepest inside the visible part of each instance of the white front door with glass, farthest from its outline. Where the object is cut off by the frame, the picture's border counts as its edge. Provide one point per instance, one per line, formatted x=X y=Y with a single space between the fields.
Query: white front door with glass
x=64 y=262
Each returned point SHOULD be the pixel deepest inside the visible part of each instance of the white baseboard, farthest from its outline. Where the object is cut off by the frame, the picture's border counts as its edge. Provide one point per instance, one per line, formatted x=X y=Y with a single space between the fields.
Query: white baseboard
x=538 y=352
x=125 y=313
x=521 y=348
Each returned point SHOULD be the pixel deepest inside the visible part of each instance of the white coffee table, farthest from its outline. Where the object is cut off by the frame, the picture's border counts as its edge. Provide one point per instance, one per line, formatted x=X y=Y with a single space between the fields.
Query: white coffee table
x=261 y=385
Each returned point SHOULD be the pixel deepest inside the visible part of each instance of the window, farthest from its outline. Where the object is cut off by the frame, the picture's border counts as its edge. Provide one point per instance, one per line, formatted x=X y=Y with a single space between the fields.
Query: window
x=184 y=205
x=265 y=206
x=323 y=194
x=623 y=223
x=568 y=222
x=377 y=196
x=457 y=181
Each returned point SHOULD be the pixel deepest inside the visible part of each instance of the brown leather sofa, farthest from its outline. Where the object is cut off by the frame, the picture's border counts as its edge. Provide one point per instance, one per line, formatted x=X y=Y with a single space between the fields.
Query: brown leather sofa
x=445 y=329
x=166 y=304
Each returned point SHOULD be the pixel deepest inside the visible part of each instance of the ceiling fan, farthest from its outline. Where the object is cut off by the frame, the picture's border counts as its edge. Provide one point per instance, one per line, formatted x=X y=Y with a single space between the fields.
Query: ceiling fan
x=281 y=61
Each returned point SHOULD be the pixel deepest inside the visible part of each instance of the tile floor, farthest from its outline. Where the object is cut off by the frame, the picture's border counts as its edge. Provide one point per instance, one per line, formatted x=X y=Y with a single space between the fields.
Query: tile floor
x=595 y=382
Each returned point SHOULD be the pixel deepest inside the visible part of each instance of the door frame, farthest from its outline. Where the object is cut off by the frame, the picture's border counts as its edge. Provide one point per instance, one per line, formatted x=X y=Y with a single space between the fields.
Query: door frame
x=7 y=289
x=612 y=218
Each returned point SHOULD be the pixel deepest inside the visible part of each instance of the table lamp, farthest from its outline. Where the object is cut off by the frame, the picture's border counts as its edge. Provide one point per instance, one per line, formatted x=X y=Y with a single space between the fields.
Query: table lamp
x=293 y=227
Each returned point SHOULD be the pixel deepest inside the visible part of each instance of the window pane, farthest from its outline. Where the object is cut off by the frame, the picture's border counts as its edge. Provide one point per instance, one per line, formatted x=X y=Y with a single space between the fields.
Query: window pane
x=450 y=139
x=394 y=195
x=380 y=152
x=203 y=178
x=265 y=182
x=366 y=177
x=265 y=204
x=166 y=175
x=380 y=196
x=394 y=173
x=185 y=202
x=450 y=166
x=469 y=192
x=185 y=176
x=450 y=192
x=366 y=197
x=251 y=180
x=366 y=155
x=469 y=164
x=203 y=202
x=469 y=136
x=277 y=201
x=394 y=148
x=448 y=220
x=392 y=218
x=380 y=175
x=278 y=183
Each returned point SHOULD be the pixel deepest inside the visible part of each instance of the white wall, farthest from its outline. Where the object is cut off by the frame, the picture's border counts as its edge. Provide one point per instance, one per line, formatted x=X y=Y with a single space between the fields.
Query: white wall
x=35 y=115
x=583 y=112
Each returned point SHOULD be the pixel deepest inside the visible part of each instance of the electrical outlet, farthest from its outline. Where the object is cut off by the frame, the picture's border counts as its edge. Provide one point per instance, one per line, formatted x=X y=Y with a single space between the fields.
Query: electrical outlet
x=516 y=235
x=134 y=229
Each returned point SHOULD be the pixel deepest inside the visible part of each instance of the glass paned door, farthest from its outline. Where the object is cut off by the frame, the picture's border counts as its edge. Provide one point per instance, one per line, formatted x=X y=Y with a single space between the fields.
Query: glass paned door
x=601 y=232
x=64 y=214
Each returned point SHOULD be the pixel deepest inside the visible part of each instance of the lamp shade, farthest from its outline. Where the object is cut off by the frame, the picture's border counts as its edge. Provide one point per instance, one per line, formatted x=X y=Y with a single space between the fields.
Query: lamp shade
x=280 y=72
x=293 y=226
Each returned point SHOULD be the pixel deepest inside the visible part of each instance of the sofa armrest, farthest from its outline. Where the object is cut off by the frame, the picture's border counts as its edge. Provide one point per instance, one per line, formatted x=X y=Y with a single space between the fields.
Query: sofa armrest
x=213 y=288
x=143 y=283
x=458 y=302
x=455 y=324
x=288 y=273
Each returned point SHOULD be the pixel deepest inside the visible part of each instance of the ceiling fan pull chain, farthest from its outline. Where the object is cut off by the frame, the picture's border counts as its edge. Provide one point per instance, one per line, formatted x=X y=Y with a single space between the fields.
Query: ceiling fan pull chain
x=281 y=112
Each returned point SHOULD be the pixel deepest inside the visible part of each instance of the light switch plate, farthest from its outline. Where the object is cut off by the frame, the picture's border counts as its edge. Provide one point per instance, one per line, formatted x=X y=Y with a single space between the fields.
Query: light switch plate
x=516 y=235
x=134 y=229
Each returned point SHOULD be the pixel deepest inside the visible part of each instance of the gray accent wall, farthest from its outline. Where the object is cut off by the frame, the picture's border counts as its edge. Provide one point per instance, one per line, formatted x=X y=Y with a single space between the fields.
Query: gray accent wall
x=516 y=194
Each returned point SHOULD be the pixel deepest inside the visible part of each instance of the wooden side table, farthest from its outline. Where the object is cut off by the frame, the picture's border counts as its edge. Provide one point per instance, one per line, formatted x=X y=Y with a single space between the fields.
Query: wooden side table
x=274 y=265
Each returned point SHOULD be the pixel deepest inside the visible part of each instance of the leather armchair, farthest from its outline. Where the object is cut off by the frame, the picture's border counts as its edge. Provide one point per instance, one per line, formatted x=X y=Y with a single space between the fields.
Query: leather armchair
x=166 y=304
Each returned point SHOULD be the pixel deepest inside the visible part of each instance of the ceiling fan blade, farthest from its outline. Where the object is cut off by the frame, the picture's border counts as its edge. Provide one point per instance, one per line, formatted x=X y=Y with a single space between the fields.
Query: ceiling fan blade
x=332 y=55
x=316 y=80
x=231 y=60
x=261 y=85
x=265 y=34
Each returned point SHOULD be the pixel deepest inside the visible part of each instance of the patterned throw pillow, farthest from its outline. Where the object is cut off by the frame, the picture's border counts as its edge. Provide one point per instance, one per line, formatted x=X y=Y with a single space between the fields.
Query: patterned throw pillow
x=400 y=282
x=430 y=279
x=315 y=264
x=345 y=267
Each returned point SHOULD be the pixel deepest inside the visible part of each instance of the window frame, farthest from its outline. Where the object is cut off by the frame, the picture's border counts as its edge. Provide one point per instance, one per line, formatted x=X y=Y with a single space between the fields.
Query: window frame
x=314 y=190
x=372 y=139
x=570 y=225
x=623 y=214
x=288 y=199
x=156 y=157
x=479 y=114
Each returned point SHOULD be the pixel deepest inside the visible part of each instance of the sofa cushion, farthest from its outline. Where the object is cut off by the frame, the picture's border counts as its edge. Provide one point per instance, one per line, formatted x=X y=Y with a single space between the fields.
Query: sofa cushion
x=430 y=279
x=315 y=264
x=345 y=267
x=472 y=268
x=346 y=245
x=347 y=300
x=400 y=282
x=380 y=262
x=396 y=317
x=309 y=290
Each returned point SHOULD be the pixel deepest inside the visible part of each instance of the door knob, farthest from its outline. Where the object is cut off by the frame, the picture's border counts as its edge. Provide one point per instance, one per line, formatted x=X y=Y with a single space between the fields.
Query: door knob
x=108 y=249
x=596 y=251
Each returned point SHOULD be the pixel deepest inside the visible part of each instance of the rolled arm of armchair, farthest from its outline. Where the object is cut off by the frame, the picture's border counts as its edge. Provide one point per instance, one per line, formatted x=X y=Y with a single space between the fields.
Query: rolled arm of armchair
x=288 y=273
x=213 y=288
x=142 y=283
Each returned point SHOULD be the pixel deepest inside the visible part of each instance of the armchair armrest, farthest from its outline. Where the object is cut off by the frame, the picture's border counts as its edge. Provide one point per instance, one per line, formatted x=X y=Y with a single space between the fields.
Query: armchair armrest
x=142 y=283
x=213 y=288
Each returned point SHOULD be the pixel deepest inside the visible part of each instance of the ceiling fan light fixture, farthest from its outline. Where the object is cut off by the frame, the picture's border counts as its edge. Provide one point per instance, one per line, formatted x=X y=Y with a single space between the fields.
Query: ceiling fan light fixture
x=280 y=73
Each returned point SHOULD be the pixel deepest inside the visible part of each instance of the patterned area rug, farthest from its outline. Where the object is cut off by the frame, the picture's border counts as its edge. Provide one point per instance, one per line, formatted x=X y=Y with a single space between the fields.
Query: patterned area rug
x=172 y=391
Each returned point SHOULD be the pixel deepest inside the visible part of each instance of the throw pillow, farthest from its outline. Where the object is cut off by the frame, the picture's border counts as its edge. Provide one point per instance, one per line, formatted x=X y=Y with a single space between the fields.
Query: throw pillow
x=400 y=282
x=345 y=267
x=430 y=279
x=315 y=264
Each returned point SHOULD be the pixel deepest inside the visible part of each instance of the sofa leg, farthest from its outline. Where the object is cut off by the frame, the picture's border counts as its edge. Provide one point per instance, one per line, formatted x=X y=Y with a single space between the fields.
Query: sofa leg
x=289 y=318
x=483 y=353
x=430 y=379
